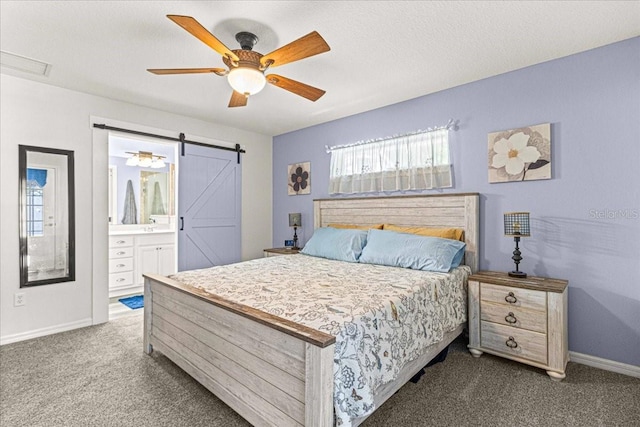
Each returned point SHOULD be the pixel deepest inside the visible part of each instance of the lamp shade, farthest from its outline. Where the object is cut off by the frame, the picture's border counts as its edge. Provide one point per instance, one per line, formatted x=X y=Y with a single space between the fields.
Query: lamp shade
x=145 y=162
x=295 y=220
x=133 y=160
x=246 y=80
x=158 y=163
x=517 y=224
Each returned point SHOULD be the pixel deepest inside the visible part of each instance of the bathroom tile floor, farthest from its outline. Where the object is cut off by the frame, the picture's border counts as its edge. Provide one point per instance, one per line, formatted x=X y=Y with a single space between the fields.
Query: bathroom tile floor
x=117 y=309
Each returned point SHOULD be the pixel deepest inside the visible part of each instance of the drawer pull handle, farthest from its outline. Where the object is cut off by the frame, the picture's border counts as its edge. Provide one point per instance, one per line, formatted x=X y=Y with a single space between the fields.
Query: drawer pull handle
x=120 y=265
x=120 y=280
x=120 y=242
x=511 y=299
x=510 y=318
x=511 y=343
x=121 y=253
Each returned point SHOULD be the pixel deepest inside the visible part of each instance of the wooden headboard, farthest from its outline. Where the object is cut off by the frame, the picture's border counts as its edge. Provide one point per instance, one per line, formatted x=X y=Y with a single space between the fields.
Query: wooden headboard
x=441 y=210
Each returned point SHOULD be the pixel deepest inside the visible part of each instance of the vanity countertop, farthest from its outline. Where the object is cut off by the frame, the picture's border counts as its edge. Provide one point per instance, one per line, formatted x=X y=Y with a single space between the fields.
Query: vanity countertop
x=141 y=231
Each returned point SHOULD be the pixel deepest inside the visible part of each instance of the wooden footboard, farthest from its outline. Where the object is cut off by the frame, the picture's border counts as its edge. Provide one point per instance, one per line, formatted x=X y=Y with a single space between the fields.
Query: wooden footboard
x=271 y=371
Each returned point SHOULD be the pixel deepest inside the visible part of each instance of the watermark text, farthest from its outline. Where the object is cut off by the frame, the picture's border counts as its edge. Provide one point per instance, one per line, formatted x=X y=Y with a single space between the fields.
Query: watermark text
x=614 y=213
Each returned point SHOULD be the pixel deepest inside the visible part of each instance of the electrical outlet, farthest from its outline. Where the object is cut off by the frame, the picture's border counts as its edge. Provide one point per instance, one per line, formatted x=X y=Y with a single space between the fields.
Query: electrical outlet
x=19 y=299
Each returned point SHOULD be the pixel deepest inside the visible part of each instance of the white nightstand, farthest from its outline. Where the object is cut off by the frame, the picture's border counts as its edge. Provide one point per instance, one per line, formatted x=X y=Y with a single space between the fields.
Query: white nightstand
x=521 y=319
x=280 y=251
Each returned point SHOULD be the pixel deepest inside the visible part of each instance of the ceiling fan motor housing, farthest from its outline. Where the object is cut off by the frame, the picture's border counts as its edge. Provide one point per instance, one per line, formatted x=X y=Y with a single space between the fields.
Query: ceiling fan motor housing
x=247 y=40
x=248 y=58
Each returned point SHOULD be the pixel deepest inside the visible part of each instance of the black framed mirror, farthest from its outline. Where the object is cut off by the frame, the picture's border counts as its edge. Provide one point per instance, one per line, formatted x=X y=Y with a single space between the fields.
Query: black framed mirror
x=47 y=216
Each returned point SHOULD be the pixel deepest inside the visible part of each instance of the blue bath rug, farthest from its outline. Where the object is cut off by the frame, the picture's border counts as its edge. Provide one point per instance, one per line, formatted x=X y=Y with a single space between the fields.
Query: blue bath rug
x=133 y=302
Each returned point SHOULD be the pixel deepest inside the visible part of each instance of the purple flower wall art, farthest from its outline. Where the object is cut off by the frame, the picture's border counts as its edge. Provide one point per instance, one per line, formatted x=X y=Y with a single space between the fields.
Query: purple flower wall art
x=299 y=179
x=522 y=154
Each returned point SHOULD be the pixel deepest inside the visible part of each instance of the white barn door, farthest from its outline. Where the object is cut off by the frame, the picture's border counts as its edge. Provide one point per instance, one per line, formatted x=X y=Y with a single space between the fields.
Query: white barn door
x=209 y=207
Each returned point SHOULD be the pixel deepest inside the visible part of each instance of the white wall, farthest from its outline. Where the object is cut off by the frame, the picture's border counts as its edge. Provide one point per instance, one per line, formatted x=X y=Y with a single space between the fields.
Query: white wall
x=33 y=113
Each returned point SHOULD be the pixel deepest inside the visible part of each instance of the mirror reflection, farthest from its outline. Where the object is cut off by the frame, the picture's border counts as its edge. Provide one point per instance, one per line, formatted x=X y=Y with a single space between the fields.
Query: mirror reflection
x=156 y=197
x=141 y=183
x=46 y=216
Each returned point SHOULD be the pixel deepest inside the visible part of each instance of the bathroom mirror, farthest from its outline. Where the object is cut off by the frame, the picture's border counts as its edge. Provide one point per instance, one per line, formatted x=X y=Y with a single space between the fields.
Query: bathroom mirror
x=47 y=220
x=141 y=196
x=156 y=196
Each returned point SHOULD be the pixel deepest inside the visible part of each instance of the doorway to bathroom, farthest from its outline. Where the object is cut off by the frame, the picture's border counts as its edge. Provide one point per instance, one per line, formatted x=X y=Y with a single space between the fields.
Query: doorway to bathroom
x=142 y=205
x=171 y=207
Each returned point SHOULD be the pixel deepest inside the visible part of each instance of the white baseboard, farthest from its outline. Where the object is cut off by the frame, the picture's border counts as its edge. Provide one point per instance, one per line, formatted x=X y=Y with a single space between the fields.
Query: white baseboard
x=8 y=339
x=606 y=364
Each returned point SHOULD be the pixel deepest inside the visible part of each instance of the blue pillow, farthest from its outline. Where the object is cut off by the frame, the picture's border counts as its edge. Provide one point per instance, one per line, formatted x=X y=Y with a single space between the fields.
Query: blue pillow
x=342 y=244
x=412 y=251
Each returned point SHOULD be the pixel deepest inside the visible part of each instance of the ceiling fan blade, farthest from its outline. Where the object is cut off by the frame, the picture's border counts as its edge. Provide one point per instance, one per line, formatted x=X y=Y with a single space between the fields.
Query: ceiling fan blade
x=238 y=100
x=218 y=71
x=293 y=86
x=201 y=33
x=304 y=47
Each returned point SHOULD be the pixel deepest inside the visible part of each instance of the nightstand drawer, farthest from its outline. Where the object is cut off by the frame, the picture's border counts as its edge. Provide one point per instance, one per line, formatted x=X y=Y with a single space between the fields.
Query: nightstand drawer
x=120 y=265
x=514 y=297
x=514 y=342
x=517 y=317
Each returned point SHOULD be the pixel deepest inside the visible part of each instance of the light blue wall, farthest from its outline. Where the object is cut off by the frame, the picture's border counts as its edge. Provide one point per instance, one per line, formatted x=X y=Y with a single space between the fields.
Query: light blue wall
x=579 y=233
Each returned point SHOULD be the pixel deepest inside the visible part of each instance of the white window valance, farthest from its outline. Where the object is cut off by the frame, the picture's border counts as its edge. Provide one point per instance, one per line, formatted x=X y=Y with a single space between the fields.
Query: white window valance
x=416 y=161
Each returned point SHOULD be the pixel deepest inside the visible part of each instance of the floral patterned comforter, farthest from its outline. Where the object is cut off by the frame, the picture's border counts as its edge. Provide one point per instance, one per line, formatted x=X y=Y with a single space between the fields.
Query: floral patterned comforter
x=382 y=317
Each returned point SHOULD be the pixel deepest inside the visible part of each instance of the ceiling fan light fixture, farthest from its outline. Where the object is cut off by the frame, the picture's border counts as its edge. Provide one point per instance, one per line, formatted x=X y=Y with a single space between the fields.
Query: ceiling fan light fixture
x=246 y=80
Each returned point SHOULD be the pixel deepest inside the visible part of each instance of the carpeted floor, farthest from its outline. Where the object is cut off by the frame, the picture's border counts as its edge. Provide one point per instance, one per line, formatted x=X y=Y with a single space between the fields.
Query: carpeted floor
x=99 y=376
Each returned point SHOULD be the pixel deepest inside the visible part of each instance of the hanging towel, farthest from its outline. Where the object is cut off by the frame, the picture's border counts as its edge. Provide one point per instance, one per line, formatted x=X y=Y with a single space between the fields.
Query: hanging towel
x=130 y=211
x=157 y=207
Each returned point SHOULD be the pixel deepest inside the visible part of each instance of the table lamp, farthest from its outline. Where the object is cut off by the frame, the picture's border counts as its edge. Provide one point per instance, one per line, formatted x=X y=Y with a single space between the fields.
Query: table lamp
x=295 y=221
x=516 y=224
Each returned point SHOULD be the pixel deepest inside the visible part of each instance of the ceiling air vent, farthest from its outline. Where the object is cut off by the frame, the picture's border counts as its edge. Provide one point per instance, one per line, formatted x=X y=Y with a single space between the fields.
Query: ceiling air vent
x=25 y=64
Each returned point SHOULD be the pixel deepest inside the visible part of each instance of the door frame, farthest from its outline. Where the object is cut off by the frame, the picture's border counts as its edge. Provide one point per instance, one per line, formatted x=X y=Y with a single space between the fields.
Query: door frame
x=100 y=204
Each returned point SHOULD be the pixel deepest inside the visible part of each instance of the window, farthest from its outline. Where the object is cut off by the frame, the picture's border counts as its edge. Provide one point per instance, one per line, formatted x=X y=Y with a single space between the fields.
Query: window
x=416 y=161
x=36 y=179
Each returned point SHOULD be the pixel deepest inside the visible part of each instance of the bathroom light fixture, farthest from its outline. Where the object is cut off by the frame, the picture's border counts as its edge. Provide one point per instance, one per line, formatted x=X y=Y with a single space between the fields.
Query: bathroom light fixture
x=145 y=159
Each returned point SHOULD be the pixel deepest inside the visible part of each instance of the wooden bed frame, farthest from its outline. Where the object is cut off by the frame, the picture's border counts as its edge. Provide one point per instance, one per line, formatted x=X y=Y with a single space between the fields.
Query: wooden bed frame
x=272 y=371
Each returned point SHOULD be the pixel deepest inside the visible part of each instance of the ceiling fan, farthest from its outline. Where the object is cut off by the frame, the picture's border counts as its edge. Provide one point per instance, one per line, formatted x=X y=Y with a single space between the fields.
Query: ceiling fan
x=246 y=67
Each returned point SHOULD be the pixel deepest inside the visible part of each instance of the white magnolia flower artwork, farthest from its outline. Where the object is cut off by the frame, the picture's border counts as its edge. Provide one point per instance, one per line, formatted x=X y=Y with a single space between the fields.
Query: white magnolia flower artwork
x=521 y=154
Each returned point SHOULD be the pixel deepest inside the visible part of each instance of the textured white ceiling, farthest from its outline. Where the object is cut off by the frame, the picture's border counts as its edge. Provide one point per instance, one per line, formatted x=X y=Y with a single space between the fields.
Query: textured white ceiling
x=382 y=52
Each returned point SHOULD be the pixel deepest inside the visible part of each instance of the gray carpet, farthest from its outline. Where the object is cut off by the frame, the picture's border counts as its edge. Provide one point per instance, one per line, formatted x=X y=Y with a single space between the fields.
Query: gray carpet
x=99 y=376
